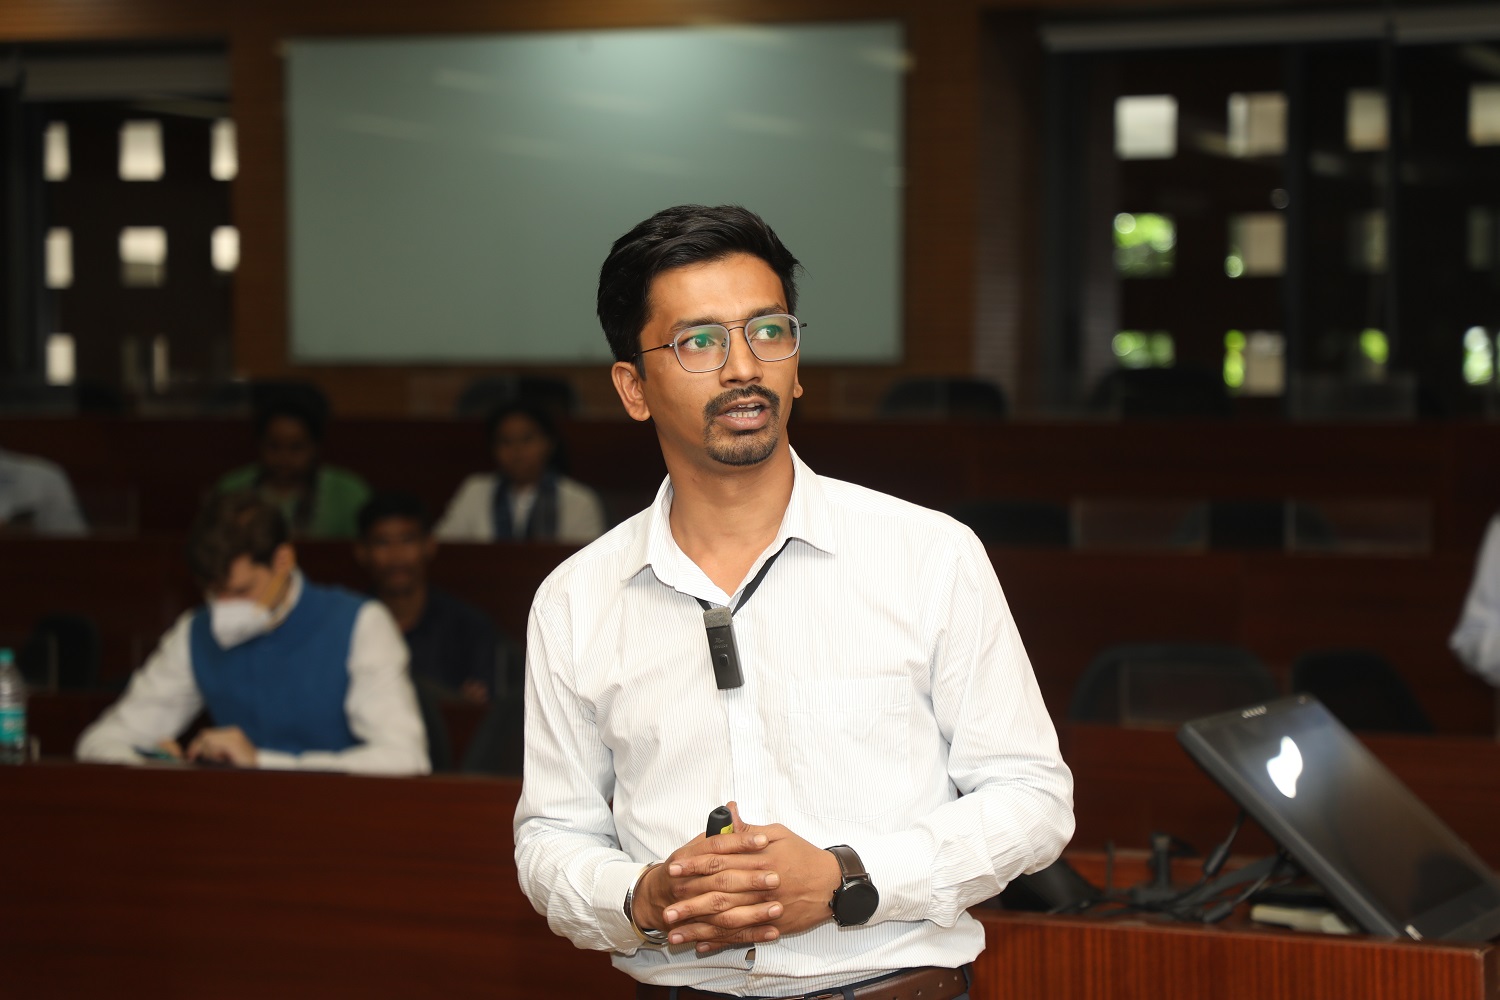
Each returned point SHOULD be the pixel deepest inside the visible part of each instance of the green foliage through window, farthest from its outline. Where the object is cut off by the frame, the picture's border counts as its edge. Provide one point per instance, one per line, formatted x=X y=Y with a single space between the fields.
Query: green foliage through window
x=1479 y=356
x=1145 y=244
x=1140 y=349
x=1234 y=359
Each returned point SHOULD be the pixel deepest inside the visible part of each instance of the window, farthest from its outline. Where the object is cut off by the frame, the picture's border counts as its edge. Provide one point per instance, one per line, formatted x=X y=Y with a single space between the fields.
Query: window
x=224 y=249
x=1145 y=244
x=1484 y=114
x=1255 y=362
x=55 y=162
x=1481 y=249
x=61 y=363
x=1257 y=245
x=223 y=157
x=1366 y=126
x=1257 y=124
x=1367 y=251
x=1479 y=356
x=143 y=256
x=140 y=151
x=59 y=257
x=1146 y=127
x=1138 y=349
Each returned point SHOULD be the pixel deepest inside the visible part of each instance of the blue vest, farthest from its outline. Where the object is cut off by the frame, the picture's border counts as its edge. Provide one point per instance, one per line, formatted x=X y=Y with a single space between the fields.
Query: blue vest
x=286 y=688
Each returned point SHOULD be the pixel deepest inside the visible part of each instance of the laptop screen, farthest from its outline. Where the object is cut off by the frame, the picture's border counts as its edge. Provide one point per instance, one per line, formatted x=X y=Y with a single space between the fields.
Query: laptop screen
x=1377 y=850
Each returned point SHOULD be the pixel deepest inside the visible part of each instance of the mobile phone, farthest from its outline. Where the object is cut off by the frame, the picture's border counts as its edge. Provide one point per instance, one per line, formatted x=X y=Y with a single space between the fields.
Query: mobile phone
x=719 y=821
x=155 y=753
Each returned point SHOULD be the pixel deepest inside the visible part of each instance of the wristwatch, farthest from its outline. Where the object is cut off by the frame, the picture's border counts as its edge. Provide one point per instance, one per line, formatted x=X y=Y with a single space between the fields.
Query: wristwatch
x=855 y=899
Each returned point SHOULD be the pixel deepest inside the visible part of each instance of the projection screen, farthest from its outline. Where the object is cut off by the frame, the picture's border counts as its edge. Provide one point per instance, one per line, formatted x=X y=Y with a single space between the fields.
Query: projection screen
x=451 y=198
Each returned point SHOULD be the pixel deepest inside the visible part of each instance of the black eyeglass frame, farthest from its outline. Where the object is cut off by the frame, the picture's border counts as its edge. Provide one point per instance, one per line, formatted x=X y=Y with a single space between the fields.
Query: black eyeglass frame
x=741 y=325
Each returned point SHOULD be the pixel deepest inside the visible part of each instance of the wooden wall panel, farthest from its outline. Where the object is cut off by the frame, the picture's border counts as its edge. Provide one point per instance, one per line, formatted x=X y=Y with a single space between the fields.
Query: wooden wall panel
x=113 y=20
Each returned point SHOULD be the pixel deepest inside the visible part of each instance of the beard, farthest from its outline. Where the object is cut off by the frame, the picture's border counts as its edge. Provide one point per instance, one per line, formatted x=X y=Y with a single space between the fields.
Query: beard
x=741 y=448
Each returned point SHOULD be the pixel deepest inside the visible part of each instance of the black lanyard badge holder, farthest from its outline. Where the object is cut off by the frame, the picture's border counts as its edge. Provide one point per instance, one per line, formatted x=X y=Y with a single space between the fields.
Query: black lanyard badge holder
x=718 y=622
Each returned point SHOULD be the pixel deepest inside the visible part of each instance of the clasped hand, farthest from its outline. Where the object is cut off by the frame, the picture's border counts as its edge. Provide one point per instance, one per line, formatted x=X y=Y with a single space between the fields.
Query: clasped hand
x=751 y=885
x=225 y=745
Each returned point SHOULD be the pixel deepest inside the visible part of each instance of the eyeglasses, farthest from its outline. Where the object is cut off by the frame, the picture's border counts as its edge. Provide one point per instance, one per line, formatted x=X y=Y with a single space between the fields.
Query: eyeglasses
x=706 y=348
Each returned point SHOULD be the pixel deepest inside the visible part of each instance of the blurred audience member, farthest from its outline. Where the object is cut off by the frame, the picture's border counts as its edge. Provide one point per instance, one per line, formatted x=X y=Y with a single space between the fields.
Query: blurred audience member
x=36 y=497
x=1476 y=639
x=318 y=500
x=528 y=499
x=294 y=675
x=454 y=646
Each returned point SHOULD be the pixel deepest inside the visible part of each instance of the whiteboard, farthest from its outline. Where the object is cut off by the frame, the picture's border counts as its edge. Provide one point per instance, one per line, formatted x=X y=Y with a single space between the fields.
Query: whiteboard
x=452 y=198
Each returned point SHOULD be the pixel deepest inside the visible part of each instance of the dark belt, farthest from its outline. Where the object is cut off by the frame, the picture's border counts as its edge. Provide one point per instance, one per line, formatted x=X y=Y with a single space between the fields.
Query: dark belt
x=927 y=983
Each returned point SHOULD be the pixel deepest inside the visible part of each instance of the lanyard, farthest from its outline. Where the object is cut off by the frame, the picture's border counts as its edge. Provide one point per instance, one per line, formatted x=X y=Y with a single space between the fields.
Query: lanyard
x=718 y=622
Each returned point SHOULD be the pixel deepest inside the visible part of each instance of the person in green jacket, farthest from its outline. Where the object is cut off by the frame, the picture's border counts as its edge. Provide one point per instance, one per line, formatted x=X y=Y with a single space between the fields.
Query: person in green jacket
x=319 y=501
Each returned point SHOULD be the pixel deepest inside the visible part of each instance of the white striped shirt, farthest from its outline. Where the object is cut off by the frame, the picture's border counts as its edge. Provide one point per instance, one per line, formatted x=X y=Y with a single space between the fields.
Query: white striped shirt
x=888 y=704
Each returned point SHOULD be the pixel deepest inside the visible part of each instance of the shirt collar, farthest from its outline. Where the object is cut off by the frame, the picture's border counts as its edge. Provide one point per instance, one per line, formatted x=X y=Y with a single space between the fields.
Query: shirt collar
x=807 y=518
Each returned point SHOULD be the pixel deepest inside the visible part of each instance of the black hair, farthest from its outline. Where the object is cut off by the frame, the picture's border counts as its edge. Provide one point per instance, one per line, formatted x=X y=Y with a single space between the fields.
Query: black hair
x=538 y=415
x=673 y=238
x=232 y=525
x=305 y=411
x=542 y=417
x=392 y=504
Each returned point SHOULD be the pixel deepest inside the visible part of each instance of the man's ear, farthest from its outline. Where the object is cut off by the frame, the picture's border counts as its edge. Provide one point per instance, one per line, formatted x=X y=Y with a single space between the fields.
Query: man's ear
x=285 y=559
x=797 y=390
x=628 y=383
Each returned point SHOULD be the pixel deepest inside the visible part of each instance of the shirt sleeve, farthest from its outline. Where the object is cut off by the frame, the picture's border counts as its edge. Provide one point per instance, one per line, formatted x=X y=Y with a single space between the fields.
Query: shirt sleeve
x=58 y=512
x=381 y=706
x=568 y=856
x=1476 y=640
x=159 y=703
x=582 y=516
x=1015 y=813
x=469 y=515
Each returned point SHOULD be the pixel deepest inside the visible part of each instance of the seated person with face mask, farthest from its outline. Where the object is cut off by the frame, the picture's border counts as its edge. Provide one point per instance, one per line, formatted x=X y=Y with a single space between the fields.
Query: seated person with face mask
x=293 y=674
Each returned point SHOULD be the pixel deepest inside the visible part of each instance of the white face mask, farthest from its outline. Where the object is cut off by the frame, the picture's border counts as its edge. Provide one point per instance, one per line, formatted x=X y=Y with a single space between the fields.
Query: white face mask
x=237 y=620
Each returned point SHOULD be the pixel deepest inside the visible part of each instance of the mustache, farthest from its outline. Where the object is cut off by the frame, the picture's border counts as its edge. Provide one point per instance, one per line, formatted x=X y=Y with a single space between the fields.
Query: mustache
x=722 y=401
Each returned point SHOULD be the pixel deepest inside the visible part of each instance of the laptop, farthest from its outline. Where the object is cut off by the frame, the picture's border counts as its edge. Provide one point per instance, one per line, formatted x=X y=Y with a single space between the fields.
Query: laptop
x=1376 y=849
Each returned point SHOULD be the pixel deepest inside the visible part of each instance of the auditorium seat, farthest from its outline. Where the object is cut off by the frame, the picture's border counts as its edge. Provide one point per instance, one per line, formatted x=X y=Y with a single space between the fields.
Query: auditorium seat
x=1362 y=689
x=944 y=398
x=1166 y=684
x=1035 y=523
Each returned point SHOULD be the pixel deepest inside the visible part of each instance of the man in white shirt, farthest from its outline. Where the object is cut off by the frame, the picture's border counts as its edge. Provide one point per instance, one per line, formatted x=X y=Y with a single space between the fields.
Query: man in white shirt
x=294 y=675
x=1476 y=639
x=871 y=711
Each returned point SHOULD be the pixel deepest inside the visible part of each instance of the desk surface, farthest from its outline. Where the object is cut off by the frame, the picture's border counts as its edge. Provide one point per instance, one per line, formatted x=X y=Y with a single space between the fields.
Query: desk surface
x=181 y=882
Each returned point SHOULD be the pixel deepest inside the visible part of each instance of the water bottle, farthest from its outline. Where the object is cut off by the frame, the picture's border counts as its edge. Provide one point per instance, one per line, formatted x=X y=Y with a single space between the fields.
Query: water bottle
x=12 y=710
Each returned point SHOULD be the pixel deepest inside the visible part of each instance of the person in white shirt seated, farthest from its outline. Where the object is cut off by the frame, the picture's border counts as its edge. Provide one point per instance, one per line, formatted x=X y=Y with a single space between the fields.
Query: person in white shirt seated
x=293 y=674
x=1476 y=639
x=36 y=498
x=527 y=499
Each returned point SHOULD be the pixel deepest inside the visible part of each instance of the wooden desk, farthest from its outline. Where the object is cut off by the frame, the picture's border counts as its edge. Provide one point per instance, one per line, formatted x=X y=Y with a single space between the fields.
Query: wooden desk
x=183 y=883
x=1034 y=957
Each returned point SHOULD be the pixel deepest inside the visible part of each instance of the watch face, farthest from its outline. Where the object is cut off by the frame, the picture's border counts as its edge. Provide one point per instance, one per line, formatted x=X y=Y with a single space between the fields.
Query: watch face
x=855 y=903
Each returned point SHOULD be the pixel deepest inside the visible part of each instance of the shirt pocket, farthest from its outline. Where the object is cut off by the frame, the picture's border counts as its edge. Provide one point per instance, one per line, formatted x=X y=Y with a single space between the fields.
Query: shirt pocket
x=851 y=753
